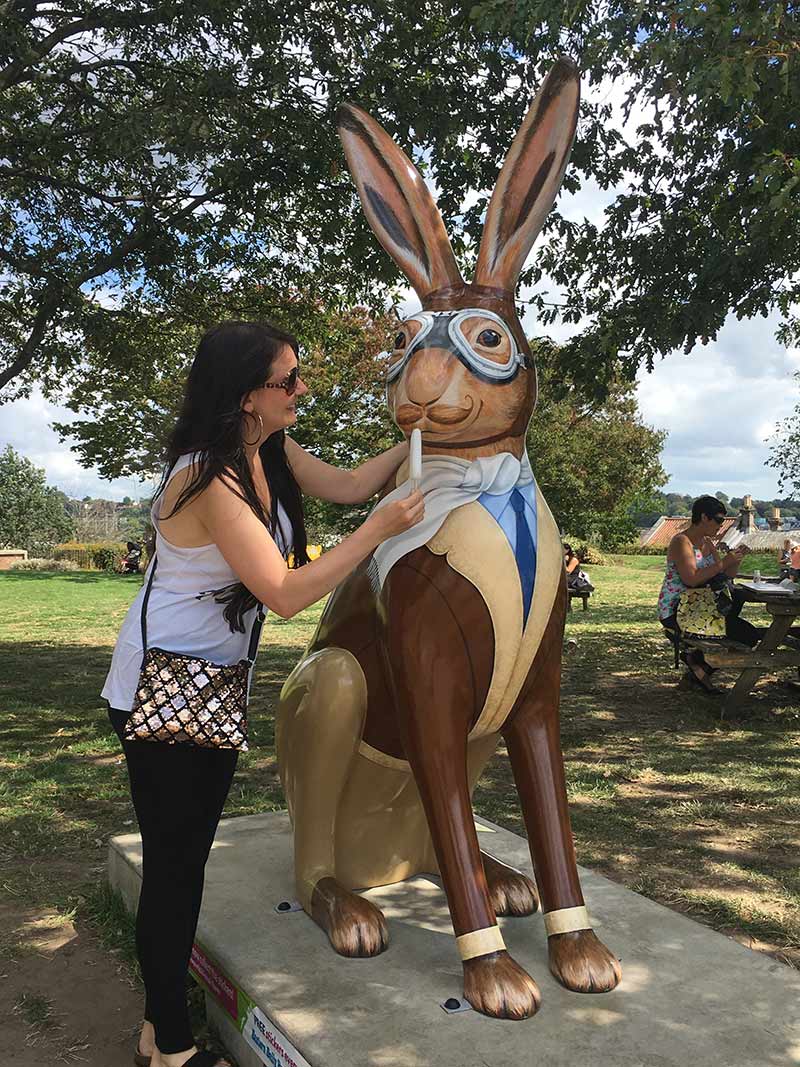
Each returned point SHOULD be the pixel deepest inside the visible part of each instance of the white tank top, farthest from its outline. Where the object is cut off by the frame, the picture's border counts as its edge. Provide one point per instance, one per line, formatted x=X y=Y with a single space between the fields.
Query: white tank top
x=182 y=614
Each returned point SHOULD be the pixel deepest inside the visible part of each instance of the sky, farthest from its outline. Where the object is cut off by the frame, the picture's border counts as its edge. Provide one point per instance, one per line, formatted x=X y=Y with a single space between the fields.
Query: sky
x=718 y=404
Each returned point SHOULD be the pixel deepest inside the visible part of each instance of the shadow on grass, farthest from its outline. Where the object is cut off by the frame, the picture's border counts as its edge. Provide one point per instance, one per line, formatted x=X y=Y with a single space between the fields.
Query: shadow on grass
x=63 y=784
x=658 y=787
x=80 y=577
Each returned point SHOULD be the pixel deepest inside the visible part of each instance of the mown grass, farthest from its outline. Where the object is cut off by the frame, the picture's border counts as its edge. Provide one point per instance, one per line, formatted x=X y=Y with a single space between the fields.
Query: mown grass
x=700 y=814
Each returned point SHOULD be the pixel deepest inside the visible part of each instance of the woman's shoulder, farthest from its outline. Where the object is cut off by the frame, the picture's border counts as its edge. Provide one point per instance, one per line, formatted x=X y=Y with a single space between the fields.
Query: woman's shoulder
x=680 y=540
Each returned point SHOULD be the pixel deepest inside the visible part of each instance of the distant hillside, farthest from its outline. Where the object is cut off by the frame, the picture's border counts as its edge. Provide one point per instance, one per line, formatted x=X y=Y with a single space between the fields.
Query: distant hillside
x=96 y=519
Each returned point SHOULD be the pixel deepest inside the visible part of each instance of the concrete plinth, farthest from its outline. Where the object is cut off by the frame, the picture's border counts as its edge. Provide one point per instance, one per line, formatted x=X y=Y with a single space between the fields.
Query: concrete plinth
x=690 y=997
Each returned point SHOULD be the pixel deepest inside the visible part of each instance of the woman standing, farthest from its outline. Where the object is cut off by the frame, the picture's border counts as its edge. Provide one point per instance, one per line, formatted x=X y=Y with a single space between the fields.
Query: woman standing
x=226 y=515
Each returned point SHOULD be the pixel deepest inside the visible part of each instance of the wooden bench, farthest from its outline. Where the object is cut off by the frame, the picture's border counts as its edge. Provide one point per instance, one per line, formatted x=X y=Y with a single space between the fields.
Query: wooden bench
x=733 y=655
x=584 y=594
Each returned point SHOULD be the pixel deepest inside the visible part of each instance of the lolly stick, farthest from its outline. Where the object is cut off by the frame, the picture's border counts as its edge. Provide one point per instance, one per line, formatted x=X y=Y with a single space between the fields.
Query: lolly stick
x=415 y=459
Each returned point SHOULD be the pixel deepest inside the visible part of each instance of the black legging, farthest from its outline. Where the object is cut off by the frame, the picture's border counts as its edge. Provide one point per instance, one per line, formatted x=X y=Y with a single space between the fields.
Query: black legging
x=178 y=793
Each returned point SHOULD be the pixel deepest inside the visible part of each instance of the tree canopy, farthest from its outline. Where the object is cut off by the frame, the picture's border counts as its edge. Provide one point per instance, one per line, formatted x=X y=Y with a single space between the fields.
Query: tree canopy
x=785 y=452
x=136 y=366
x=596 y=462
x=147 y=145
x=33 y=515
x=705 y=217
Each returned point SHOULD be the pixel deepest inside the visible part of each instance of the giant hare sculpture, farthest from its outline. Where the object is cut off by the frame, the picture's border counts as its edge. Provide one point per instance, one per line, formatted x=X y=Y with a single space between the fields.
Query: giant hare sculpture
x=450 y=638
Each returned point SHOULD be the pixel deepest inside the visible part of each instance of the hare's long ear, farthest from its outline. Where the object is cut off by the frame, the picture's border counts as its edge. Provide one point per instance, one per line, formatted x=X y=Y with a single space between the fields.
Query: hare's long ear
x=530 y=178
x=397 y=203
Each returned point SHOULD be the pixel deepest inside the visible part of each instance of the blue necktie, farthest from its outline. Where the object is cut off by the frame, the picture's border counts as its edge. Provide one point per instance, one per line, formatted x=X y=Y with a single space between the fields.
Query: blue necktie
x=526 y=553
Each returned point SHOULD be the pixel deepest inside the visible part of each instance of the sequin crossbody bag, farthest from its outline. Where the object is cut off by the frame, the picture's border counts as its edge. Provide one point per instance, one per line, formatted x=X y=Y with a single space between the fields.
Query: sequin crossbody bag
x=183 y=698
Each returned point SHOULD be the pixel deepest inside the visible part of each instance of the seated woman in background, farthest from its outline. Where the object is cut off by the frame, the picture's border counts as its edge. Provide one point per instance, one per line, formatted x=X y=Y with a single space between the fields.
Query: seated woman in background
x=794 y=561
x=785 y=557
x=571 y=561
x=577 y=579
x=692 y=561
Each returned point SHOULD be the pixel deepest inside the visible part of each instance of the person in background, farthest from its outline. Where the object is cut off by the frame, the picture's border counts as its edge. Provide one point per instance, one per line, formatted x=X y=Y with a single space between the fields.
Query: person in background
x=794 y=561
x=131 y=563
x=571 y=561
x=692 y=561
x=785 y=556
x=577 y=579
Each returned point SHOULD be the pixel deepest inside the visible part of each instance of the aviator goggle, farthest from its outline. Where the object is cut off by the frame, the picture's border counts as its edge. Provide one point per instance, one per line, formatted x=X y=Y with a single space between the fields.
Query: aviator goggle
x=444 y=329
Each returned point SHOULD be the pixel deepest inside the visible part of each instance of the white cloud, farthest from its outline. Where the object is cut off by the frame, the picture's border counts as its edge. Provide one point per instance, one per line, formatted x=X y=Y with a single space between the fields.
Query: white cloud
x=719 y=404
x=26 y=425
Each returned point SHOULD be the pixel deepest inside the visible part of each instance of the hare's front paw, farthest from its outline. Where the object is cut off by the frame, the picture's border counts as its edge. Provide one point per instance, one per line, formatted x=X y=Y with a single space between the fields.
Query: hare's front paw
x=510 y=892
x=496 y=985
x=355 y=927
x=582 y=963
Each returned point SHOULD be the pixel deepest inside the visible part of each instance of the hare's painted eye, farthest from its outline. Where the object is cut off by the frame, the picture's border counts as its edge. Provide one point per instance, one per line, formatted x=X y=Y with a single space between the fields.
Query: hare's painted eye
x=400 y=340
x=489 y=338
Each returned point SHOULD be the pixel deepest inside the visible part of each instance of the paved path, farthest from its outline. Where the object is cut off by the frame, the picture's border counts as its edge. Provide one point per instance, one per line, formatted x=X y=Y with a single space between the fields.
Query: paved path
x=690 y=997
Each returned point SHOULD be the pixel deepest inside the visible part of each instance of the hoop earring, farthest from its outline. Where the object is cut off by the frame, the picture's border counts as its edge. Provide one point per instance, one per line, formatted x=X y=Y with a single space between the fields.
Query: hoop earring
x=260 y=429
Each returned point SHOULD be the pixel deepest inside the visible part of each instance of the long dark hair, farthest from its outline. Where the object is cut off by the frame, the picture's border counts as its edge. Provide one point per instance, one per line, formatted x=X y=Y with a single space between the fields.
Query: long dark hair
x=232 y=359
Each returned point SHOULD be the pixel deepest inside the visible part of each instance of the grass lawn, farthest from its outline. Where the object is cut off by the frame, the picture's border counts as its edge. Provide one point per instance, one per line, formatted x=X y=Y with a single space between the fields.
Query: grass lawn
x=701 y=815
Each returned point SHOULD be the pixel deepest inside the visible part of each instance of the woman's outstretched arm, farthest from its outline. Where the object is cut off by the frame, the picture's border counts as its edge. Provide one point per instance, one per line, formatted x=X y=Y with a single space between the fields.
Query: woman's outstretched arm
x=320 y=479
x=247 y=546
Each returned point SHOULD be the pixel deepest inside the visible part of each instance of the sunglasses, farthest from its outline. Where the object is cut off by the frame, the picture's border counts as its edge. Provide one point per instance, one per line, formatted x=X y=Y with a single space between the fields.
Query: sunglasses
x=289 y=383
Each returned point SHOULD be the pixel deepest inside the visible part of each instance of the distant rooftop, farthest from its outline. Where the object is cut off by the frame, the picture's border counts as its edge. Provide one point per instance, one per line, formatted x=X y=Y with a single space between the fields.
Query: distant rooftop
x=759 y=538
x=664 y=529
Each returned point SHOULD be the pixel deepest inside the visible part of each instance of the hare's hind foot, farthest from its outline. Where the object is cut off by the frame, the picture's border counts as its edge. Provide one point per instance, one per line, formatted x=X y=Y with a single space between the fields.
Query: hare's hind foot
x=496 y=985
x=355 y=927
x=581 y=962
x=511 y=892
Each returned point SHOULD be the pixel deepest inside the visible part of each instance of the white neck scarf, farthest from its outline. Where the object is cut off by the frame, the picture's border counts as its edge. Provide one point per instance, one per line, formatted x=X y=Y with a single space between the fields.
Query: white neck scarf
x=447 y=483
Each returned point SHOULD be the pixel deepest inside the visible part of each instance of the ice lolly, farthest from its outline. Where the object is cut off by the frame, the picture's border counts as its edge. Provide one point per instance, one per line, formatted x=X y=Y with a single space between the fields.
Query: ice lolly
x=415 y=459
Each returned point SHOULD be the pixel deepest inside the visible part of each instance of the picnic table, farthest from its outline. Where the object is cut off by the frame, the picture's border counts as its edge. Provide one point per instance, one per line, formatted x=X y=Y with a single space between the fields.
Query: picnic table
x=767 y=656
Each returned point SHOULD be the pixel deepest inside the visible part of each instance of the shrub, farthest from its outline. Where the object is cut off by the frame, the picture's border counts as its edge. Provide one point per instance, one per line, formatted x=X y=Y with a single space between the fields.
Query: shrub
x=586 y=551
x=92 y=554
x=45 y=565
x=105 y=559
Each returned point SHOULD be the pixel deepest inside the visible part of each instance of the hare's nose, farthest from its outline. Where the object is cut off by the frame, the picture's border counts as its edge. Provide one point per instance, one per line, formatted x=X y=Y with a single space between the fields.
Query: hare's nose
x=428 y=375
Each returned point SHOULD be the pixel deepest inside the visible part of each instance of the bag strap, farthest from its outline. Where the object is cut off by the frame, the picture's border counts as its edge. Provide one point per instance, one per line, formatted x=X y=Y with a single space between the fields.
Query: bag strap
x=255 y=632
x=143 y=616
x=255 y=635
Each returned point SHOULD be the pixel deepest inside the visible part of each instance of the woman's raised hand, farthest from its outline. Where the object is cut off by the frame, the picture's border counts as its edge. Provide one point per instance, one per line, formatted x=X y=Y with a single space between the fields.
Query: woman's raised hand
x=397 y=517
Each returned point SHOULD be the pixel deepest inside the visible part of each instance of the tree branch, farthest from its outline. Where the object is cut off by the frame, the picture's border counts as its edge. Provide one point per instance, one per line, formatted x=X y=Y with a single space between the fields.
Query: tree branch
x=22 y=8
x=70 y=185
x=136 y=240
x=13 y=73
x=45 y=313
x=49 y=302
x=25 y=266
